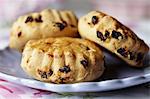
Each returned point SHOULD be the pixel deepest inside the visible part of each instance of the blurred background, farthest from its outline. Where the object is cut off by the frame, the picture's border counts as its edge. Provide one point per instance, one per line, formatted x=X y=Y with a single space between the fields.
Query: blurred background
x=133 y=13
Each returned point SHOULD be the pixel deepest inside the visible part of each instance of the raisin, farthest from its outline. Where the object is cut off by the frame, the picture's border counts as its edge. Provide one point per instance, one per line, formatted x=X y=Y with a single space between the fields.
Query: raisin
x=50 y=55
x=88 y=23
x=61 y=25
x=107 y=34
x=48 y=43
x=29 y=19
x=87 y=48
x=39 y=72
x=27 y=60
x=94 y=20
x=42 y=73
x=42 y=50
x=139 y=57
x=84 y=63
x=50 y=73
x=116 y=34
x=39 y=19
x=100 y=35
x=123 y=52
x=19 y=34
x=63 y=80
x=65 y=23
x=72 y=25
x=65 y=69
x=131 y=55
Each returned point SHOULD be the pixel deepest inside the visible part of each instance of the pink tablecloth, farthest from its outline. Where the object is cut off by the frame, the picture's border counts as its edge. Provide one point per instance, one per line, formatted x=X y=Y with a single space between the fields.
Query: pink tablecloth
x=12 y=91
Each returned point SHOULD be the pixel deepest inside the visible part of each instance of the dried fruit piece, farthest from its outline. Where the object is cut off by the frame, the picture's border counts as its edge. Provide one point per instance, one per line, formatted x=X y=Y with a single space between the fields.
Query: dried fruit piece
x=107 y=34
x=50 y=55
x=65 y=23
x=50 y=73
x=116 y=35
x=87 y=48
x=42 y=74
x=19 y=34
x=29 y=19
x=139 y=57
x=84 y=63
x=131 y=56
x=61 y=25
x=100 y=35
x=94 y=20
x=39 y=19
x=62 y=80
x=88 y=23
x=123 y=52
x=65 y=69
x=72 y=25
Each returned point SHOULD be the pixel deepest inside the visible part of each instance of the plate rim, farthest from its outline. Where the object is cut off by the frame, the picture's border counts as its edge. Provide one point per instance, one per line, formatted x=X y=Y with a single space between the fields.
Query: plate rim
x=80 y=87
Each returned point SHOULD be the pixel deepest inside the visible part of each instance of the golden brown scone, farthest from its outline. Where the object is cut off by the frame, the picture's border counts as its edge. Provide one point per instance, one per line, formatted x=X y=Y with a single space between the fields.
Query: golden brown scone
x=47 y=23
x=63 y=60
x=114 y=36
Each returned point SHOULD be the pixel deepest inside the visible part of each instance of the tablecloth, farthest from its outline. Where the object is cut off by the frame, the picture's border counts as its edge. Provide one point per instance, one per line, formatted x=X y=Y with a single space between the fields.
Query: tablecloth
x=10 y=90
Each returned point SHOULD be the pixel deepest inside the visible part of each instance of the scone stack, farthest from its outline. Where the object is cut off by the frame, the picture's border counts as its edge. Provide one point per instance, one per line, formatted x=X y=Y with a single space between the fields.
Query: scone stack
x=53 y=52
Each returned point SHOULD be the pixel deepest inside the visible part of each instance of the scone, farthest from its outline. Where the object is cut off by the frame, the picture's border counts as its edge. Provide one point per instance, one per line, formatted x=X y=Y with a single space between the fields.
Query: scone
x=114 y=36
x=47 y=23
x=62 y=60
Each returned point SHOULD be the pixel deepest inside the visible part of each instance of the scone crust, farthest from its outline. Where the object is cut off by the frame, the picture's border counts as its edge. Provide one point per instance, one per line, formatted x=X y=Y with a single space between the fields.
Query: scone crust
x=47 y=23
x=114 y=36
x=63 y=60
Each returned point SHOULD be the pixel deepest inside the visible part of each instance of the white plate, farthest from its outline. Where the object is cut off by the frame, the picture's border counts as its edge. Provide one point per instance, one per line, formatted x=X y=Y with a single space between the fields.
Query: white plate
x=117 y=75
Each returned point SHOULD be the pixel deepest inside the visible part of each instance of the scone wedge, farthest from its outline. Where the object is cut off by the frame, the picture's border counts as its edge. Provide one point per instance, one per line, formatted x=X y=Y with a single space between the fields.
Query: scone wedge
x=62 y=60
x=47 y=23
x=114 y=36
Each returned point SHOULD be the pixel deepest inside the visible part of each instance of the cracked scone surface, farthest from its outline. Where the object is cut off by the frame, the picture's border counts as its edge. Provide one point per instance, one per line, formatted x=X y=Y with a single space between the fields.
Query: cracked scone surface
x=47 y=23
x=63 y=60
x=114 y=36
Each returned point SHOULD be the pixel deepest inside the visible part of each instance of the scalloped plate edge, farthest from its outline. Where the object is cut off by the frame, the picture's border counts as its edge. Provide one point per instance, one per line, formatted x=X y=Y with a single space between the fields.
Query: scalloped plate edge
x=80 y=87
